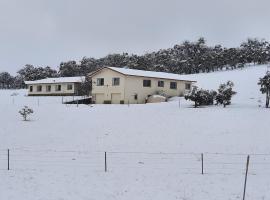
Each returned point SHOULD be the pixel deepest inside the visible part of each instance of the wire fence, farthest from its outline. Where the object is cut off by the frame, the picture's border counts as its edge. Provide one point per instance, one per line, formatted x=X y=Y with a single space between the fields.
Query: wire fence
x=186 y=163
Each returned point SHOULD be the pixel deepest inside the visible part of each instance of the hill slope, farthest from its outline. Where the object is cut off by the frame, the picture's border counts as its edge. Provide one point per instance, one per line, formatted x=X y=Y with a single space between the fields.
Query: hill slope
x=153 y=150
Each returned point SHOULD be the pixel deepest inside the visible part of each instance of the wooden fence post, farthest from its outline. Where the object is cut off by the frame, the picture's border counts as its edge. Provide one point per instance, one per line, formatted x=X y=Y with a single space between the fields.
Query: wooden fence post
x=8 y=158
x=105 y=161
x=244 y=194
x=202 y=163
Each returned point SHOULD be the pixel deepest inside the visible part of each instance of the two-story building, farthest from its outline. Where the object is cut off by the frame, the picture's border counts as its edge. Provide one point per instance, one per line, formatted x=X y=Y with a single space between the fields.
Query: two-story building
x=121 y=85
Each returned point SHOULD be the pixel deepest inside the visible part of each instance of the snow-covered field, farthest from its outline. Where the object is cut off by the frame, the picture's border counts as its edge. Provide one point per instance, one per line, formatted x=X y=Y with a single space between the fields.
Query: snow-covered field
x=153 y=150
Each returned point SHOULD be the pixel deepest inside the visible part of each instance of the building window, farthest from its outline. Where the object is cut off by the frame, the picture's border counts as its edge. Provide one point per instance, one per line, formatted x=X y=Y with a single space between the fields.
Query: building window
x=173 y=85
x=48 y=88
x=115 y=81
x=39 y=88
x=135 y=96
x=146 y=83
x=188 y=86
x=160 y=83
x=31 y=88
x=100 y=81
x=69 y=87
x=58 y=88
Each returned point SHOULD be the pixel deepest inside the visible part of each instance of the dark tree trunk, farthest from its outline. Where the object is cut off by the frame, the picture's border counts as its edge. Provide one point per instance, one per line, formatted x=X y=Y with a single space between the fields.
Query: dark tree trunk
x=267 y=99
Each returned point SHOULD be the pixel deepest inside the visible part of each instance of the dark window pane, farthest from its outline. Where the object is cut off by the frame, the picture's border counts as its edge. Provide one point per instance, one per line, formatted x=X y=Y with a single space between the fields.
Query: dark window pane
x=173 y=85
x=146 y=83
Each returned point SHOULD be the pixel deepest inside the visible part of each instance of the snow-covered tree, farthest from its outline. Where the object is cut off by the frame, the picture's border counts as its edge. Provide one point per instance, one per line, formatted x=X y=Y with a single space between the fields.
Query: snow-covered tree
x=25 y=111
x=264 y=82
x=225 y=93
x=201 y=97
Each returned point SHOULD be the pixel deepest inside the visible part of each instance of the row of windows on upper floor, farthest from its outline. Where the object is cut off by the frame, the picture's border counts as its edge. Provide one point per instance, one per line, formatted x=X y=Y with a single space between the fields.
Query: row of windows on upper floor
x=146 y=83
x=48 y=88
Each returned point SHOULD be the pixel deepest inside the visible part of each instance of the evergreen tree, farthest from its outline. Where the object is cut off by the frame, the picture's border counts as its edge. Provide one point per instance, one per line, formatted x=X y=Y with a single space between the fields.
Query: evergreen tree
x=225 y=93
x=265 y=87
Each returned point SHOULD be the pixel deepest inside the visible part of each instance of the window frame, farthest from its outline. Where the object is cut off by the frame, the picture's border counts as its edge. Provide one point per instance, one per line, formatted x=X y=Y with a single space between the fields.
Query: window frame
x=147 y=81
x=58 y=88
x=69 y=86
x=31 y=88
x=39 y=88
x=48 y=88
x=113 y=81
x=162 y=85
x=99 y=82
x=189 y=84
x=173 y=87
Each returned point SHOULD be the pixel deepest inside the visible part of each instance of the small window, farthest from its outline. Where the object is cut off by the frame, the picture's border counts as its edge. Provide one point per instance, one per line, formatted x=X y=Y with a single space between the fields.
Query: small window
x=173 y=85
x=58 y=88
x=146 y=83
x=160 y=83
x=39 y=88
x=116 y=81
x=48 y=88
x=31 y=88
x=69 y=87
x=188 y=86
x=135 y=97
x=100 y=81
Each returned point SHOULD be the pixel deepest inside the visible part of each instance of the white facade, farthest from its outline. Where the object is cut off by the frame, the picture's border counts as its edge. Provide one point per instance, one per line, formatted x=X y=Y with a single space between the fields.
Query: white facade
x=120 y=85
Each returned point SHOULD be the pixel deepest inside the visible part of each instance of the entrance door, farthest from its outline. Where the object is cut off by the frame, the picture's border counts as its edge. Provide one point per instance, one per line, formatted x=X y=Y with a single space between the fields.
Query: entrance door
x=116 y=97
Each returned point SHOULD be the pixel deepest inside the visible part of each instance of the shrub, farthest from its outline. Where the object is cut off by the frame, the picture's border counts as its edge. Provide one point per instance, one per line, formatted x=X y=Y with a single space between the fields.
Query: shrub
x=25 y=111
x=201 y=97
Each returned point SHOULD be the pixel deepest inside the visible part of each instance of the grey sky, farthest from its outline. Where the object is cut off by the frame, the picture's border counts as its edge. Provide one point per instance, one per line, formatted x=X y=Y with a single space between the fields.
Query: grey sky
x=46 y=32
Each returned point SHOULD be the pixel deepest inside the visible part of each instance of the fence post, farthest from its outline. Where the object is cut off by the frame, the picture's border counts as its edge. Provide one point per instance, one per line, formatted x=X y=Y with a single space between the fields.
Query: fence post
x=202 y=163
x=105 y=161
x=244 y=194
x=8 y=158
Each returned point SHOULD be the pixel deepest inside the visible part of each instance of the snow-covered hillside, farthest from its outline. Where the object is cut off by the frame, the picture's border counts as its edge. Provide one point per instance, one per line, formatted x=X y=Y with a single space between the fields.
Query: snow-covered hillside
x=153 y=150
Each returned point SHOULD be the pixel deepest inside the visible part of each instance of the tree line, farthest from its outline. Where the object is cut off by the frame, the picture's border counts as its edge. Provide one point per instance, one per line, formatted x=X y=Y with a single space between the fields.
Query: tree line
x=185 y=58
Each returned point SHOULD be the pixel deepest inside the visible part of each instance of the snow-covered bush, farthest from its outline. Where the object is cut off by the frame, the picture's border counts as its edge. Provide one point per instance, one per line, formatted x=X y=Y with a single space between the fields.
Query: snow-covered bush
x=225 y=93
x=265 y=87
x=25 y=111
x=161 y=93
x=201 y=97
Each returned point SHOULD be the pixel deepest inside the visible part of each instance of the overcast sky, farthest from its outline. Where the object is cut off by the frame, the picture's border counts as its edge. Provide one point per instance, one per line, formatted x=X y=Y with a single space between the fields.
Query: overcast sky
x=46 y=32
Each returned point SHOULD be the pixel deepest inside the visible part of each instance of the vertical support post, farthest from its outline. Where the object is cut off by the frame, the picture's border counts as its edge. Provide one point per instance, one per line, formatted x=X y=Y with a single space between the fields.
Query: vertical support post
x=105 y=161
x=245 y=184
x=202 y=163
x=8 y=158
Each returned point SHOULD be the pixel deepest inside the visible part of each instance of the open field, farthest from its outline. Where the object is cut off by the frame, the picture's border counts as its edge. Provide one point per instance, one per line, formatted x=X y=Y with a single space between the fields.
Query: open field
x=154 y=150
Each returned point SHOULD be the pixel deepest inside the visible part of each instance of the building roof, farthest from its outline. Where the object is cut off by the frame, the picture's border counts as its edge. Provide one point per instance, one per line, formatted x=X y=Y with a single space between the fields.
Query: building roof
x=150 y=74
x=78 y=79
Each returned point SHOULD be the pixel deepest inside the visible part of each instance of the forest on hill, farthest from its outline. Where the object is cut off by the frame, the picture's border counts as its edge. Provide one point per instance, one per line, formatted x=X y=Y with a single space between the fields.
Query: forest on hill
x=185 y=58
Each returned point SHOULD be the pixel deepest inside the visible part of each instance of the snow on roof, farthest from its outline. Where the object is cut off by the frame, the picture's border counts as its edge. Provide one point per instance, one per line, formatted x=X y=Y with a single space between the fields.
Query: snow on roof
x=78 y=79
x=150 y=74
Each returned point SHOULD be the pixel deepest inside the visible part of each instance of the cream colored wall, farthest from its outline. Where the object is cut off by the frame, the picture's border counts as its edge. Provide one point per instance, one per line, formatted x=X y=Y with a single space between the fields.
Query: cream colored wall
x=108 y=89
x=134 y=85
x=64 y=89
x=131 y=85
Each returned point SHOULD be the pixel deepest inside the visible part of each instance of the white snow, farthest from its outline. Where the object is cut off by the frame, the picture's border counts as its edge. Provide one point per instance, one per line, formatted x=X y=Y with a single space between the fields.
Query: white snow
x=153 y=150
x=77 y=79
x=150 y=74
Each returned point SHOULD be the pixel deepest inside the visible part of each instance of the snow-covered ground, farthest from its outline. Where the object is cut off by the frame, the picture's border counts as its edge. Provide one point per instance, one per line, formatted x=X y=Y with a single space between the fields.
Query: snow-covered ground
x=153 y=150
